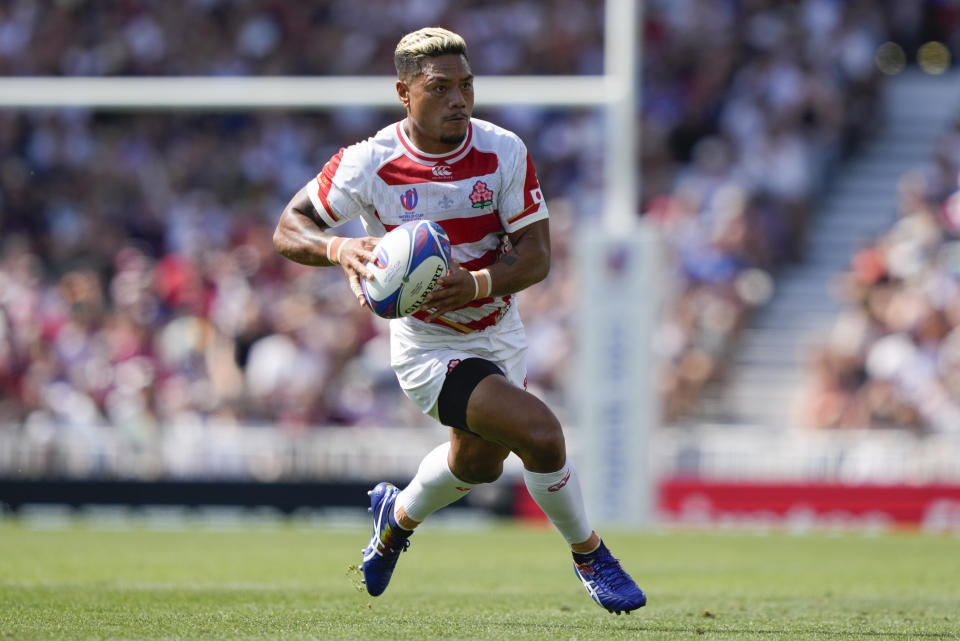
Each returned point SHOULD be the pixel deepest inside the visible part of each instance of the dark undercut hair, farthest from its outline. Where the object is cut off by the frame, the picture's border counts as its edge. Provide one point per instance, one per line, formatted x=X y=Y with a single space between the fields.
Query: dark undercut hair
x=428 y=42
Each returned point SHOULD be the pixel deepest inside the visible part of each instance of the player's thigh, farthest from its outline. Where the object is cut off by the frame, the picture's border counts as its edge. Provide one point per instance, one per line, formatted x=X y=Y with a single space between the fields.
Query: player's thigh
x=478 y=399
x=504 y=413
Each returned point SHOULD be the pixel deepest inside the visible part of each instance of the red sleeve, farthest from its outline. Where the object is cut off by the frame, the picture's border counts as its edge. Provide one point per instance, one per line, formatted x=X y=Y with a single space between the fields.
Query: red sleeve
x=532 y=196
x=325 y=182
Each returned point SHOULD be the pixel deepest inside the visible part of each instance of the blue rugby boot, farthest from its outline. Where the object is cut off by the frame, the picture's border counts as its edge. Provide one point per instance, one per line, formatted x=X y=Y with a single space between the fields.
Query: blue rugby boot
x=387 y=541
x=607 y=582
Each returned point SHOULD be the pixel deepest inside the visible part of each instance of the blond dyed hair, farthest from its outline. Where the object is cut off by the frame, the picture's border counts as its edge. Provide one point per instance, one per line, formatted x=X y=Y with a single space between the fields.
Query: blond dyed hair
x=428 y=42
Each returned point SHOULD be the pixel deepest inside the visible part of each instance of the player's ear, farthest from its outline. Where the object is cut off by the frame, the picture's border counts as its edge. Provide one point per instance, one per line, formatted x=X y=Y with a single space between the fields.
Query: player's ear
x=403 y=92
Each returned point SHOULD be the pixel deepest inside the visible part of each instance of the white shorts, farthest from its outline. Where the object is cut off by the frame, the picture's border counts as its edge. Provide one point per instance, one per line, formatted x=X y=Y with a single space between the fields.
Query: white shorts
x=422 y=361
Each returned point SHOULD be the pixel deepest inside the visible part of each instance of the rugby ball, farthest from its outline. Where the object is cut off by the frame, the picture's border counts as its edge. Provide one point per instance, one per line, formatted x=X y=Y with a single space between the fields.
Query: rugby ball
x=408 y=262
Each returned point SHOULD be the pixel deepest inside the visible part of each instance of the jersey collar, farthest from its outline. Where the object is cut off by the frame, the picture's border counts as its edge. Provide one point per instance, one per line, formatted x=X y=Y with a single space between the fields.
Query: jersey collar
x=434 y=159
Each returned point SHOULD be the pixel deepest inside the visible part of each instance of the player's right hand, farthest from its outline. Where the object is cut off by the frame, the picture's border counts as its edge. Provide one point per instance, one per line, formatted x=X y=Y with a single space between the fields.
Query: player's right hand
x=453 y=291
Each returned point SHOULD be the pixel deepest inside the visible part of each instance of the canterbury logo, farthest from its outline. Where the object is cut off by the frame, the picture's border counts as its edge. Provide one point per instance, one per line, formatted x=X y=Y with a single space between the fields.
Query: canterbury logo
x=556 y=487
x=442 y=171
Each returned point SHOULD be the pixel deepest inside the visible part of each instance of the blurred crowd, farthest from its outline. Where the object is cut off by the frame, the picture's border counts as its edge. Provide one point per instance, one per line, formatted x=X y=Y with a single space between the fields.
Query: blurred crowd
x=138 y=284
x=748 y=109
x=893 y=357
x=285 y=37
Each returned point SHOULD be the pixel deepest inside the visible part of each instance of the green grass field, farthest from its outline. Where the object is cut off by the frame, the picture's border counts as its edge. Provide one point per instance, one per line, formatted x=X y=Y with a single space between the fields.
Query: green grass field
x=504 y=582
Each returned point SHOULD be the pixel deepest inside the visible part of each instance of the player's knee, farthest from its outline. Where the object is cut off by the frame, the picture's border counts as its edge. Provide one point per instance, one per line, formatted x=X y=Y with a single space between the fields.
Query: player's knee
x=476 y=472
x=474 y=460
x=543 y=443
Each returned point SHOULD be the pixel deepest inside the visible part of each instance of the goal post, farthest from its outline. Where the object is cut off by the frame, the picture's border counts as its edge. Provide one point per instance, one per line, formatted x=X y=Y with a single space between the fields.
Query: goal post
x=619 y=267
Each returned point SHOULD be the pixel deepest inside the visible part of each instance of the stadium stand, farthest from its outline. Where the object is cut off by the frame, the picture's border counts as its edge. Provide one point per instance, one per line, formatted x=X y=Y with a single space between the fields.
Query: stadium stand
x=770 y=369
x=892 y=356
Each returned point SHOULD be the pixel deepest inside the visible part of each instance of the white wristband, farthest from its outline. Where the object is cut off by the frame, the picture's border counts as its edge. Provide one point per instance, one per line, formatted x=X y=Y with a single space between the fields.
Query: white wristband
x=489 y=279
x=332 y=241
x=476 y=286
x=487 y=283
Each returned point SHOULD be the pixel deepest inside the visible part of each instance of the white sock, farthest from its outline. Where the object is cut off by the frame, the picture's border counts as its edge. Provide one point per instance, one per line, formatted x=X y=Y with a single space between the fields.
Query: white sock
x=558 y=495
x=433 y=487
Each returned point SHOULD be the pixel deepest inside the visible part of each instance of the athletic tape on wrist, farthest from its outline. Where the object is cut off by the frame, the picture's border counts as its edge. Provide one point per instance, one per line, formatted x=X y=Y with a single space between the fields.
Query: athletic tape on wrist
x=340 y=249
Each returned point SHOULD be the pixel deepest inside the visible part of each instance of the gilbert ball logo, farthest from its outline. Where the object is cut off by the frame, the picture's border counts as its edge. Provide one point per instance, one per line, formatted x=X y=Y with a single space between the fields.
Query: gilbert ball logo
x=409 y=199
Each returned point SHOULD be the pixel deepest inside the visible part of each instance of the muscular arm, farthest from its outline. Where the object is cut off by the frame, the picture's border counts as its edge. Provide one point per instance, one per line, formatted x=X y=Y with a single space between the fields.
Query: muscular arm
x=527 y=263
x=301 y=236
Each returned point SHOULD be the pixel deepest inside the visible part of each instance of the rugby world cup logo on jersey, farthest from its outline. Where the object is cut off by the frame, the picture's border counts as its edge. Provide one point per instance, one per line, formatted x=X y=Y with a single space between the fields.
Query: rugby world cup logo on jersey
x=409 y=199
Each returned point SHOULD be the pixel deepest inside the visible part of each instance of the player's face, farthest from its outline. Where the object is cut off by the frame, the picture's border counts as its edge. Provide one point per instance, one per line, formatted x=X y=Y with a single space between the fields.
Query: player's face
x=439 y=103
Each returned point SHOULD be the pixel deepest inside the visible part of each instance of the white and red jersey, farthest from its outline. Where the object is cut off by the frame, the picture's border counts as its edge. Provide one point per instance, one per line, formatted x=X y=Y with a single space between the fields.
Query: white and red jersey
x=481 y=191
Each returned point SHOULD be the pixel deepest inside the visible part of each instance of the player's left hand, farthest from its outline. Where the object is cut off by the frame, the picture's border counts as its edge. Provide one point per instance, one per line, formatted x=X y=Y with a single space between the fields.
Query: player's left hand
x=454 y=290
x=356 y=254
